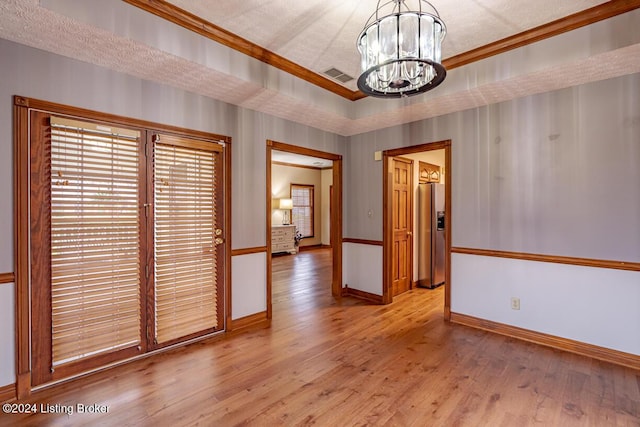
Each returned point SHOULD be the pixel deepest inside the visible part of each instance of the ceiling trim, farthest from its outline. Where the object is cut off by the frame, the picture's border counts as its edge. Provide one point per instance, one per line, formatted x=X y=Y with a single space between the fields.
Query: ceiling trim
x=571 y=22
x=205 y=28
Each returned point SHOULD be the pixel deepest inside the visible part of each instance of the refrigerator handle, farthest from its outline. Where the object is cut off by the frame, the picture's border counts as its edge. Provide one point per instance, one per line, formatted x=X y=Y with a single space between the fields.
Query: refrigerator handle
x=440 y=221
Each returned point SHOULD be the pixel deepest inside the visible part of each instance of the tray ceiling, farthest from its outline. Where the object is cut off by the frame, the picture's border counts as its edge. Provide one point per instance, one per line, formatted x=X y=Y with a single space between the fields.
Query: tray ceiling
x=312 y=36
x=321 y=34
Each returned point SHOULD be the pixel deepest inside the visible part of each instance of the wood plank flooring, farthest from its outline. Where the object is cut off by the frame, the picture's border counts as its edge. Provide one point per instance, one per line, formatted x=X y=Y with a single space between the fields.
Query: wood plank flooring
x=341 y=363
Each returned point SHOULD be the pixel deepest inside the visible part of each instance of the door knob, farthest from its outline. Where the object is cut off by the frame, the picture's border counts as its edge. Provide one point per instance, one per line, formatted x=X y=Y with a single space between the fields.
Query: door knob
x=218 y=241
x=409 y=233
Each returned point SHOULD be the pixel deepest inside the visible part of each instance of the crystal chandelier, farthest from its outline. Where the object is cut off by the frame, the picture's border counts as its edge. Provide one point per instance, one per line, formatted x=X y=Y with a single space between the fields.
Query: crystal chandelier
x=400 y=49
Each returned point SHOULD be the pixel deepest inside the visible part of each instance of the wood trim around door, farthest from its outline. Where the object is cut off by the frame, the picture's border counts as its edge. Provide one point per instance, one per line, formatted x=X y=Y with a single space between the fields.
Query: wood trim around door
x=386 y=218
x=336 y=213
x=228 y=243
x=268 y=228
x=21 y=245
x=22 y=159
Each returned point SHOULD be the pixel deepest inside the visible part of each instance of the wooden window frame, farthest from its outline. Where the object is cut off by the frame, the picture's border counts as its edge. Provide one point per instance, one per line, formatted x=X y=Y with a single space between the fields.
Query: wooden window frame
x=22 y=107
x=313 y=206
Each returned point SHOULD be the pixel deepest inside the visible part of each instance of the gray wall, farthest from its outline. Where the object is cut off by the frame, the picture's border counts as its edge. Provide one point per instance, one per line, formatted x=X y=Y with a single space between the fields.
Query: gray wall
x=37 y=74
x=556 y=173
x=33 y=73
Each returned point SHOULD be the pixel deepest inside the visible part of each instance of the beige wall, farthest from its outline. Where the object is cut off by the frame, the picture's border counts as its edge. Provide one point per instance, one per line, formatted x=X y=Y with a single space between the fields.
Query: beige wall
x=281 y=179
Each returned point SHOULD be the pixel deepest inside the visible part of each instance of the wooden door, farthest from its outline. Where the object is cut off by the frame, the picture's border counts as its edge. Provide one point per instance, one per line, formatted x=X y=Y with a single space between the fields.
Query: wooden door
x=401 y=220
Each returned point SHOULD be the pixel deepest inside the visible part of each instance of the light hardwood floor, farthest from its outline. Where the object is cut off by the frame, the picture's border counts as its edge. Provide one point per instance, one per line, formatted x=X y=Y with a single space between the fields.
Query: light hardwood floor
x=343 y=363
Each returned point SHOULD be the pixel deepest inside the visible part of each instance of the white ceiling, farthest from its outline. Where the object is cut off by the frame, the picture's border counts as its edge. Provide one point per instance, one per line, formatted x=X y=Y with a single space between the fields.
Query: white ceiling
x=299 y=159
x=318 y=34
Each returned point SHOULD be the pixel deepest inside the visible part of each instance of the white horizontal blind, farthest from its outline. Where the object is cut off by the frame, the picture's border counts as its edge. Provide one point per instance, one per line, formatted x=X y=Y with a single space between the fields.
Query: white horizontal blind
x=185 y=253
x=94 y=239
x=302 y=212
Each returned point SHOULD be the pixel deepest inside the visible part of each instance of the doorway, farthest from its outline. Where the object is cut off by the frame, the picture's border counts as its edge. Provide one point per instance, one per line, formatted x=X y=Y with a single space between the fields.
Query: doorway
x=398 y=257
x=335 y=202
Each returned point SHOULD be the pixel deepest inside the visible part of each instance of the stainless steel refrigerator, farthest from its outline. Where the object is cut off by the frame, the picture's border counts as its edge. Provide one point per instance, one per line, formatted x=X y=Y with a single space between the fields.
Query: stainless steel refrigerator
x=431 y=235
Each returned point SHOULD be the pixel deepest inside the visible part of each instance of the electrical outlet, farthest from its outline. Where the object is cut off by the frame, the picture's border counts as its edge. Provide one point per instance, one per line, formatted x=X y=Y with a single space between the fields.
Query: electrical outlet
x=515 y=303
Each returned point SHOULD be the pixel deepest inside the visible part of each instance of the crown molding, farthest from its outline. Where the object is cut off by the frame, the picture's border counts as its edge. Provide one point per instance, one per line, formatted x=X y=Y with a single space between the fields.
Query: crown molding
x=571 y=22
x=205 y=28
x=194 y=23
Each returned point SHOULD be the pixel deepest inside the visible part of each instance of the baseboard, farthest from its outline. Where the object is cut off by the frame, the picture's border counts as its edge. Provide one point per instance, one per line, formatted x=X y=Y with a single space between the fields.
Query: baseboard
x=312 y=247
x=565 y=344
x=356 y=293
x=7 y=393
x=253 y=321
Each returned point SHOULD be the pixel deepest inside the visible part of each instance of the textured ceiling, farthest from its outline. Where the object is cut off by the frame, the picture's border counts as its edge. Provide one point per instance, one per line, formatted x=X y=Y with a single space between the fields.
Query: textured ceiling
x=320 y=34
x=299 y=159
x=121 y=37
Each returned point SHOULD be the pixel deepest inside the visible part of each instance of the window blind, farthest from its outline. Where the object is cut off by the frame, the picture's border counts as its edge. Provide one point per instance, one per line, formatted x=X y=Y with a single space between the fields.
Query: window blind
x=186 y=275
x=95 y=281
x=302 y=212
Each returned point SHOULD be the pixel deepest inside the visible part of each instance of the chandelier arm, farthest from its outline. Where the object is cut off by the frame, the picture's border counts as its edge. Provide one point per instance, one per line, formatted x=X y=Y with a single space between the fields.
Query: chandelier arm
x=398 y=36
x=420 y=53
x=378 y=8
x=432 y=7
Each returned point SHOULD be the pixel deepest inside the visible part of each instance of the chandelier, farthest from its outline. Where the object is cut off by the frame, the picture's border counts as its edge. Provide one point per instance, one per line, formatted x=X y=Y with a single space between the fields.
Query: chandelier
x=401 y=50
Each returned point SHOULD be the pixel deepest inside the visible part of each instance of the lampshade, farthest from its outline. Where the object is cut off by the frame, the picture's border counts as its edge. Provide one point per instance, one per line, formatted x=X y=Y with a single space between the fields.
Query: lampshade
x=285 y=204
x=401 y=50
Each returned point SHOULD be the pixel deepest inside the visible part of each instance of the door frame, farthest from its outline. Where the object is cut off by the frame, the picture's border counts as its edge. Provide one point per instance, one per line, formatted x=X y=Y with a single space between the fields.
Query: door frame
x=336 y=214
x=22 y=107
x=387 y=229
